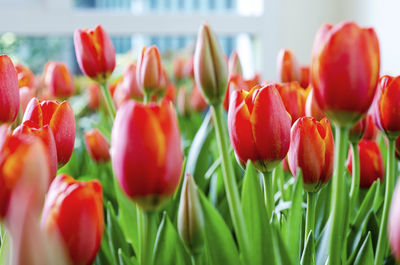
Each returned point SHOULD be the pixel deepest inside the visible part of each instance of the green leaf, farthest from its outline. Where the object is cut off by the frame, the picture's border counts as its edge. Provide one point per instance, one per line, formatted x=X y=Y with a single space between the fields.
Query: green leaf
x=169 y=249
x=308 y=256
x=256 y=219
x=219 y=241
x=366 y=205
x=123 y=259
x=366 y=255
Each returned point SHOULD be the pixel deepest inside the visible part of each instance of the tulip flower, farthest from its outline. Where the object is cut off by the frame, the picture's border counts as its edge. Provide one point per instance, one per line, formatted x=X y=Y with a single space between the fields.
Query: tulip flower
x=128 y=87
x=311 y=150
x=197 y=100
x=61 y=120
x=74 y=211
x=95 y=53
x=371 y=133
x=59 y=80
x=312 y=108
x=170 y=92
x=183 y=101
x=210 y=68
x=97 y=146
x=294 y=99
x=236 y=82
x=149 y=70
x=25 y=76
x=344 y=67
x=146 y=142
x=188 y=68
x=178 y=68
x=94 y=95
x=25 y=96
x=371 y=163
x=288 y=68
x=9 y=90
x=393 y=225
x=235 y=67
x=358 y=130
x=304 y=76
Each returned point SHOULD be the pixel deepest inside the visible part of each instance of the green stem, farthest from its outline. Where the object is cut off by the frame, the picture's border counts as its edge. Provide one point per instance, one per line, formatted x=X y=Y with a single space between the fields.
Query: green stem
x=146 y=248
x=381 y=248
x=268 y=193
x=109 y=102
x=339 y=197
x=355 y=180
x=310 y=218
x=196 y=259
x=231 y=188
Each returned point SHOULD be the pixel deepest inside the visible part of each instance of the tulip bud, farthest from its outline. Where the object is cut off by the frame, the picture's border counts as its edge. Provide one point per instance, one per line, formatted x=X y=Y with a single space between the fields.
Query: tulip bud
x=128 y=87
x=393 y=223
x=197 y=100
x=97 y=146
x=95 y=53
x=25 y=76
x=188 y=68
x=304 y=76
x=358 y=130
x=288 y=68
x=371 y=133
x=235 y=67
x=94 y=95
x=190 y=217
x=149 y=70
x=311 y=150
x=236 y=82
x=183 y=101
x=345 y=71
x=259 y=127
x=312 y=108
x=9 y=90
x=178 y=68
x=294 y=99
x=60 y=118
x=74 y=211
x=210 y=68
x=385 y=107
x=146 y=142
x=25 y=96
x=371 y=163
x=58 y=80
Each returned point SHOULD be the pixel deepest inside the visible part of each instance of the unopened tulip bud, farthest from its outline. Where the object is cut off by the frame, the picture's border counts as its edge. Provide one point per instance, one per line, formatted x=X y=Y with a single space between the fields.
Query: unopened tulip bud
x=358 y=130
x=371 y=133
x=210 y=68
x=312 y=108
x=9 y=90
x=294 y=99
x=304 y=76
x=149 y=70
x=25 y=76
x=190 y=217
x=97 y=146
x=128 y=88
x=59 y=80
x=288 y=68
x=235 y=67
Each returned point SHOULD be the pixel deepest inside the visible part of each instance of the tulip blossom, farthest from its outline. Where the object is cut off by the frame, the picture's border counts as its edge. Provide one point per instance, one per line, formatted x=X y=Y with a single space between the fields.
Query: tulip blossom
x=59 y=80
x=95 y=53
x=73 y=211
x=371 y=163
x=311 y=150
x=178 y=68
x=25 y=76
x=149 y=71
x=25 y=96
x=371 y=133
x=235 y=67
x=304 y=76
x=288 y=68
x=183 y=101
x=188 y=68
x=236 y=82
x=146 y=142
x=345 y=71
x=294 y=99
x=210 y=67
x=97 y=146
x=197 y=100
x=358 y=130
x=61 y=120
x=259 y=127
x=128 y=87
x=94 y=96
x=9 y=90
x=312 y=108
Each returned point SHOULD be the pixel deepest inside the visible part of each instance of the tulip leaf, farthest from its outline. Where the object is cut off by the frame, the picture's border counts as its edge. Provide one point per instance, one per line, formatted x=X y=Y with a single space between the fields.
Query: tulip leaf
x=308 y=256
x=281 y=253
x=322 y=209
x=219 y=240
x=366 y=254
x=323 y=243
x=123 y=259
x=256 y=219
x=366 y=205
x=169 y=248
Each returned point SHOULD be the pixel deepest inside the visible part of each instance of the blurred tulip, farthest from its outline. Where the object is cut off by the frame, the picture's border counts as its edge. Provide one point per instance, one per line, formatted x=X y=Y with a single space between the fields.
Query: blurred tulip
x=259 y=127
x=235 y=83
x=25 y=95
x=183 y=101
x=25 y=76
x=60 y=118
x=178 y=65
x=170 y=92
x=288 y=68
x=210 y=68
x=94 y=95
x=128 y=87
x=371 y=163
x=59 y=80
x=358 y=130
x=312 y=108
x=97 y=146
x=304 y=76
x=371 y=133
x=294 y=99
x=74 y=211
x=9 y=90
x=252 y=82
x=146 y=142
x=149 y=70
x=311 y=150
x=197 y=100
x=113 y=85
x=385 y=108
x=345 y=71
x=95 y=53
x=235 y=67
x=188 y=68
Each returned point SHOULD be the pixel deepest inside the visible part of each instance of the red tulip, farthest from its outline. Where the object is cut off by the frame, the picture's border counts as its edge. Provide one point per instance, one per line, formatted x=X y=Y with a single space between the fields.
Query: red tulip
x=345 y=71
x=58 y=80
x=312 y=108
x=178 y=68
x=288 y=68
x=9 y=90
x=371 y=133
x=252 y=82
x=25 y=95
x=95 y=53
x=46 y=135
x=385 y=108
x=188 y=68
x=259 y=127
x=236 y=82
x=149 y=71
x=371 y=163
x=74 y=211
x=304 y=76
x=60 y=118
x=146 y=142
x=25 y=76
x=358 y=130
x=311 y=150
x=94 y=95
x=97 y=146
x=197 y=100
x=235 y=67
x=294 y=99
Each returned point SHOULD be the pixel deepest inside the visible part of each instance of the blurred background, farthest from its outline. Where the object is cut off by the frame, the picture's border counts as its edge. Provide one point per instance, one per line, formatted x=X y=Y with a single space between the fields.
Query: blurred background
x=35 y=31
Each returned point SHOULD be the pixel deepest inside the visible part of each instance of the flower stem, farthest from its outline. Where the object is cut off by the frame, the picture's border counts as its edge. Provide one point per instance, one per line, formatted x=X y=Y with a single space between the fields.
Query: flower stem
x=310 y=217
x=231 y=188
x=109 y=102
x=268 y=193
x=339 y=198
x=196 y=259
x=355 y=180
x=382 y=245
x=145 y=236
